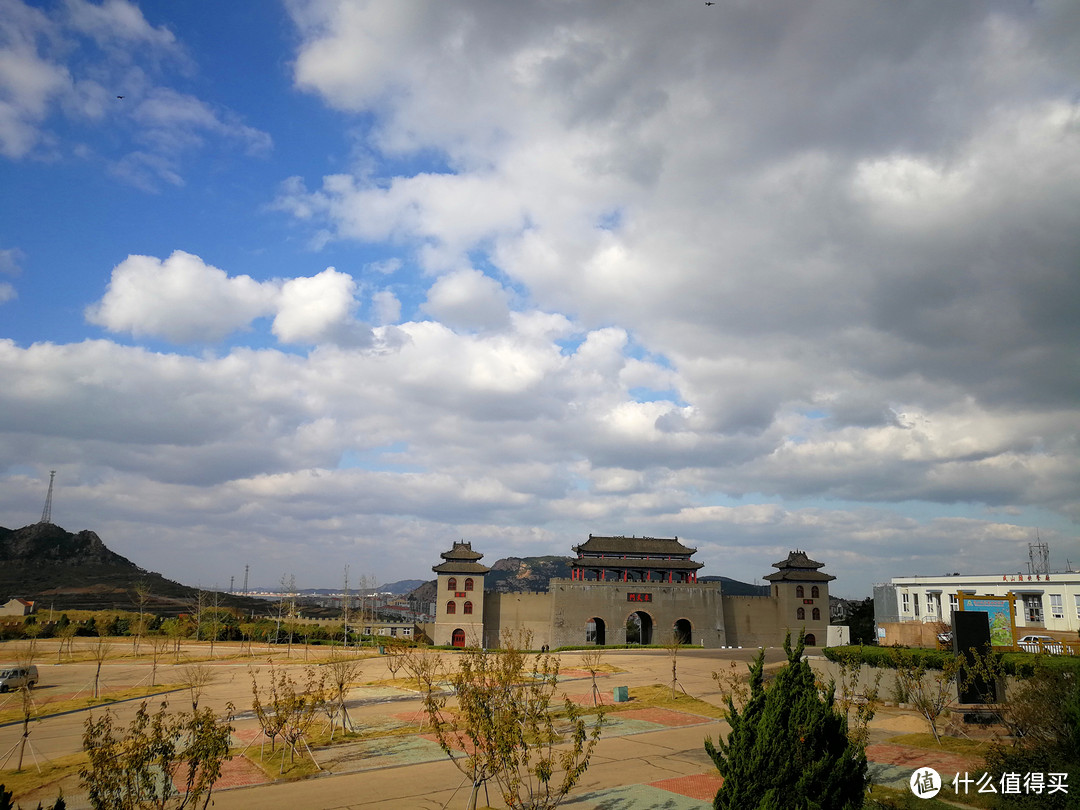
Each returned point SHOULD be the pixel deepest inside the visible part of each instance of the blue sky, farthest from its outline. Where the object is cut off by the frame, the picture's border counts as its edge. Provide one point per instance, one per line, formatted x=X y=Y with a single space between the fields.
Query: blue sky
x=340 y=283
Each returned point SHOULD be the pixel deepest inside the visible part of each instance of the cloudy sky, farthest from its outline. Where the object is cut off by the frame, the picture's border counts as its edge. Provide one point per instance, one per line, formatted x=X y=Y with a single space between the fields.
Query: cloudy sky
x=319 y=283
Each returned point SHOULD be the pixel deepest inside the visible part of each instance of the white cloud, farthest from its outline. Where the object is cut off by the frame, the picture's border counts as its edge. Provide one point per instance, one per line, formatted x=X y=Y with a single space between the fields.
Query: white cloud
x=62 y=68
x=386 y=306
x=682 y=269
x=181 y=299
x=468 y=299
x=175 y=121
x=184 y=300
x=28 y=83
x=10 y=261
x=117 y=21
x=310 y=309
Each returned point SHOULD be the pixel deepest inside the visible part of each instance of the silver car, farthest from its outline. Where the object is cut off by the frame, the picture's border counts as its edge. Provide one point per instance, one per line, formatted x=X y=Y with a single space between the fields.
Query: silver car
x=1046 y=644
x=17 y=677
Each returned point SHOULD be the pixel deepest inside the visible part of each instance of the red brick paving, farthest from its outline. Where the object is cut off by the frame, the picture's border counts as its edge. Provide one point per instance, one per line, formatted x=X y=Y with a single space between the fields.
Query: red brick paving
x=698 y=786
x=236 y=772
x=246 y=735
x=413 y=718
x=240 y=772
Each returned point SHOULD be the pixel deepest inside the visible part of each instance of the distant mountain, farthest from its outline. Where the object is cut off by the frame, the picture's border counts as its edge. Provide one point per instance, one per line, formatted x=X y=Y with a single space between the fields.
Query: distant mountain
x=401 y=587
x=519 y=574
x=425 y=593
x=65 y=571
x=734 y=587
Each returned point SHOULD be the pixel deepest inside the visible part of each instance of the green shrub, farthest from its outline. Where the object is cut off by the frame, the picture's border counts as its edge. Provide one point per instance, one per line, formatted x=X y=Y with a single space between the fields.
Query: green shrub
x=885 y=657
x=789 y=746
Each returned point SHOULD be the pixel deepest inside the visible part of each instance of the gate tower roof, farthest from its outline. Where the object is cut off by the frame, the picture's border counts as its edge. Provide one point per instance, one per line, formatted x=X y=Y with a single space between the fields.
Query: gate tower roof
x=650 y=546
x=461 y=559
x=798 y=567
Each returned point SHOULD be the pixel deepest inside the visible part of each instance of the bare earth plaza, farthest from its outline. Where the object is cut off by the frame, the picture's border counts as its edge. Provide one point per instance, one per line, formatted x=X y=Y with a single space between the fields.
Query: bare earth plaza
x=650 y=658
x=647 y=757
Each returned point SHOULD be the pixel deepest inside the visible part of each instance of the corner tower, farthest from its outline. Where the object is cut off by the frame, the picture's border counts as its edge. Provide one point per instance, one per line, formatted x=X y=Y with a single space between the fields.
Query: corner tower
x=459 y=608
x=801 y=592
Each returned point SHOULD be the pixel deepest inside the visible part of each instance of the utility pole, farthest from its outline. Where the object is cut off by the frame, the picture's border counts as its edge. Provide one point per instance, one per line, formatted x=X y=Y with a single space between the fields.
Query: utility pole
x=345 y=606
x=46 y=513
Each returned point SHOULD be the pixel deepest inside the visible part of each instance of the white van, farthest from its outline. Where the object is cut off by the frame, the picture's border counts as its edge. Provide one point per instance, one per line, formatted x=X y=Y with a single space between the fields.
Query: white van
x=18 y=677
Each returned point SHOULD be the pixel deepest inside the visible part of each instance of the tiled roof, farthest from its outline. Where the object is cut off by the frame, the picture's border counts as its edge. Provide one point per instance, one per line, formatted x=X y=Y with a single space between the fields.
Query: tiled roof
x=799 y=576
x=653 y=546
x=653 y=564
x=797 y=559
x=460 y=567
x=461 y=551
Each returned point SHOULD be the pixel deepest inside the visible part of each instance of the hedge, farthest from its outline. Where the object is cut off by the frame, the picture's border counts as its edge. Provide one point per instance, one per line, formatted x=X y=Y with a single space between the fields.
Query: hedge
x=1021 y=664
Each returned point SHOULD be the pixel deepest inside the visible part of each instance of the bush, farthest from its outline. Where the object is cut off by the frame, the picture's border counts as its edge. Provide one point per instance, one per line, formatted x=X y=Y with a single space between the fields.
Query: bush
x=1043 y=715
x=1021 y=664
x=789 y=746
x=885 y=657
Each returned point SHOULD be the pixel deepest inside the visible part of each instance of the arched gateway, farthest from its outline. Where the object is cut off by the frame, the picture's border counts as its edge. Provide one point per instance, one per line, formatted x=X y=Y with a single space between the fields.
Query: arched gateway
x=638 y=589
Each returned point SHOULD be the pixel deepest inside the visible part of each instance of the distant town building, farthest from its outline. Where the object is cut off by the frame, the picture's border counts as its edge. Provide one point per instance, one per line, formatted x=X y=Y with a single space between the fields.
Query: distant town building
x=913 y=610
x=17 y=607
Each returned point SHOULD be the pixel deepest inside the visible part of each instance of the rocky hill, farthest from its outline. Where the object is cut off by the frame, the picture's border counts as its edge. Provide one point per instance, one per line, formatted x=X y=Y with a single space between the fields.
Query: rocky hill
x=519 y=574
x=66 y=571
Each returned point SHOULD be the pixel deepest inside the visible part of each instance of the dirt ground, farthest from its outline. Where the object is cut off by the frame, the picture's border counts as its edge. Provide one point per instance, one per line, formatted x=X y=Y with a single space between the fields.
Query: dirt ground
x=655 y=752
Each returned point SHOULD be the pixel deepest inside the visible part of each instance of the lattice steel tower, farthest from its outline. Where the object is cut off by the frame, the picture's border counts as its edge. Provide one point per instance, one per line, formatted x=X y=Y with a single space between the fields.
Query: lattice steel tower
x=46 y=513
x=1038 y=557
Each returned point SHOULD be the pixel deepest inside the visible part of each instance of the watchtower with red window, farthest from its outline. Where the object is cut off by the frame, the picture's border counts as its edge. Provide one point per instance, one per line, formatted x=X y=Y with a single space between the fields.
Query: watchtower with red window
x=801 y=592
x=459 y=613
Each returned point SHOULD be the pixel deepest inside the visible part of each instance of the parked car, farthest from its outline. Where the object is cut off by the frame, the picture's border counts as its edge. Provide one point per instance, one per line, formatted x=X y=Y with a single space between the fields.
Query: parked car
x=1046 y=644
x=18 y=677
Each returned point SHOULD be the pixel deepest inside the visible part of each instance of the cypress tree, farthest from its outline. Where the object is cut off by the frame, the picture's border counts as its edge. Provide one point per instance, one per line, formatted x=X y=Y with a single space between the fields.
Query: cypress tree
x=788 y=747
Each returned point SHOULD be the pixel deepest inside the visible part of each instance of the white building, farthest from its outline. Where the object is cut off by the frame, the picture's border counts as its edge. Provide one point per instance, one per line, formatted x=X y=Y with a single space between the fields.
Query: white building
x=1047 y=604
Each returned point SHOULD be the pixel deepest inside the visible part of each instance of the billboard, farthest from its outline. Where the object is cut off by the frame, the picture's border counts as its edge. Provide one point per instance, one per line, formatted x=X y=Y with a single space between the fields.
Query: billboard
x=1000 y=615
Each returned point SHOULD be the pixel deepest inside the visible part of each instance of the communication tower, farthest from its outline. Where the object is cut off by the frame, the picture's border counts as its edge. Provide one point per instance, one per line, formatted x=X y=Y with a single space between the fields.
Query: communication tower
x=46 y=513
x=1038 y=557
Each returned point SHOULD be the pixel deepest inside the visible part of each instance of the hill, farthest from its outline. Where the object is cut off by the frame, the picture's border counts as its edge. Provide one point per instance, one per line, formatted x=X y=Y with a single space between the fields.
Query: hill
x=520 y=574
x=66 y=571
x=735 y=587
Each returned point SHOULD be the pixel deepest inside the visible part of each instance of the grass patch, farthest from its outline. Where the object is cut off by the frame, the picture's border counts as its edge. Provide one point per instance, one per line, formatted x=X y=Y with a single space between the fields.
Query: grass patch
x=602 y=669
x=53 y=772
x=658 y=696
x=282 y=764
x=954 y=745
x=886 y=798
x=50 y=708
